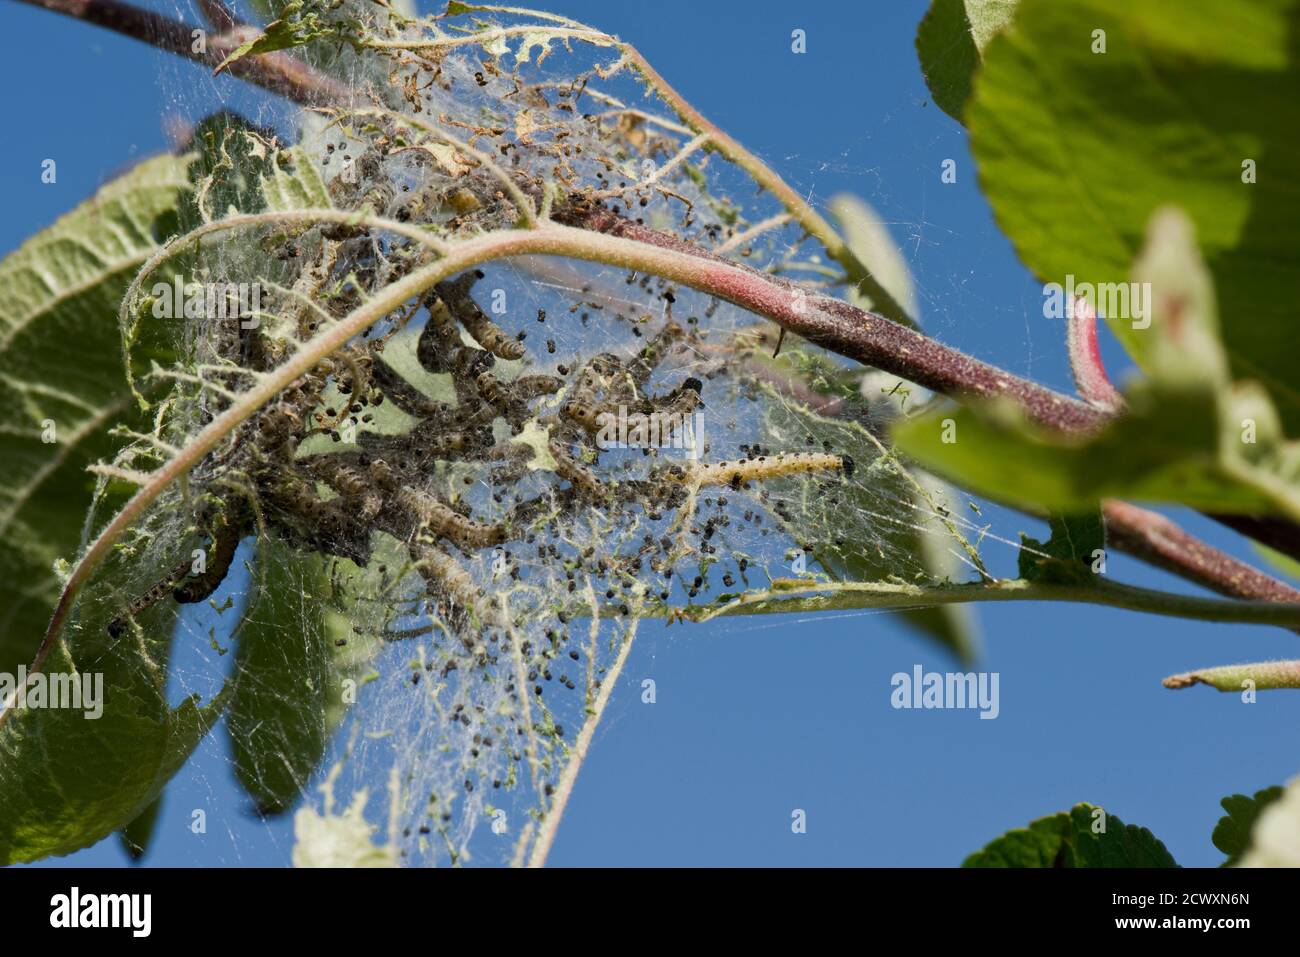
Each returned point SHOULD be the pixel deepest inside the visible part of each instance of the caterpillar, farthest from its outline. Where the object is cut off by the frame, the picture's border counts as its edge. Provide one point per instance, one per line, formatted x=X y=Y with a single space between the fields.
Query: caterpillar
x=225 y=541
x=485 y=332
x=442 y=520
x=740 y=471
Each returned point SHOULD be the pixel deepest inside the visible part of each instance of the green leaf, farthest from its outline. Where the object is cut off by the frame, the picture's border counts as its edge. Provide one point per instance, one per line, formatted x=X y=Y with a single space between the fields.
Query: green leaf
x=1068 y=555
x=60 y=291
x=1085 y=836
x=870 y=242
x=1076 y=149
x=135 y=837
x=1041 y=844
x=950 y=43
x=290 y=671
x=68 y=780
x=1189 y=434
x=1232 y=833
x=1119 y=845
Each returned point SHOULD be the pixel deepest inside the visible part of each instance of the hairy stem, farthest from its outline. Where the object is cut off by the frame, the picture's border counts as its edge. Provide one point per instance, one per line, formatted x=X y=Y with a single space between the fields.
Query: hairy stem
x=1158 y=541
x=1259 y=676
x=852 y=332
x=277 y=72
x=1090 y=376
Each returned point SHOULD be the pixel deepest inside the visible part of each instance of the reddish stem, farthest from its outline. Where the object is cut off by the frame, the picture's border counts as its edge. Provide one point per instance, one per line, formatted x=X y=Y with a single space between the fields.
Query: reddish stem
x=851 y=332
x=277 y=72
x=1085 y=359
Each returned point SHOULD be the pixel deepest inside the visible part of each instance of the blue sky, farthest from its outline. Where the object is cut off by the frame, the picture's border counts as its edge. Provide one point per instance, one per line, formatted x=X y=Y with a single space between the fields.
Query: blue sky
x=753 y=720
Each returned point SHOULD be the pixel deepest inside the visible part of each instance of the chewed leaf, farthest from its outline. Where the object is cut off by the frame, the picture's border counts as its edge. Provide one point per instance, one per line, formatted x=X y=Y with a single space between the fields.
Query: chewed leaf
x=232 y=157
x=1077 y=544
x=293 y=182
x=294 y=29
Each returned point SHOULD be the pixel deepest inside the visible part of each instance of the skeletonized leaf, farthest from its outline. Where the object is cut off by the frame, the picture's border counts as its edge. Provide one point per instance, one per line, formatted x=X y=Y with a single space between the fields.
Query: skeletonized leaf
x=294 y=183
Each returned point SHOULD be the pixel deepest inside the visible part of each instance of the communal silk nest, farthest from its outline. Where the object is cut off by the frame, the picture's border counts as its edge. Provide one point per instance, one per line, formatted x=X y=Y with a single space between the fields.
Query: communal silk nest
x=465 y=552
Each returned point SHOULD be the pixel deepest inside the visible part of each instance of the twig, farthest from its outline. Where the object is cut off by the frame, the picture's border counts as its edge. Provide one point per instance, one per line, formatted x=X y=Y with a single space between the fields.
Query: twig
x=1090 y=376
x=852 y=332
x=797 y=595
x=551 y=822
x=738 y=240
x=220 y=16
x=1158 y=541
x=277 y=72
x=1259 y=676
